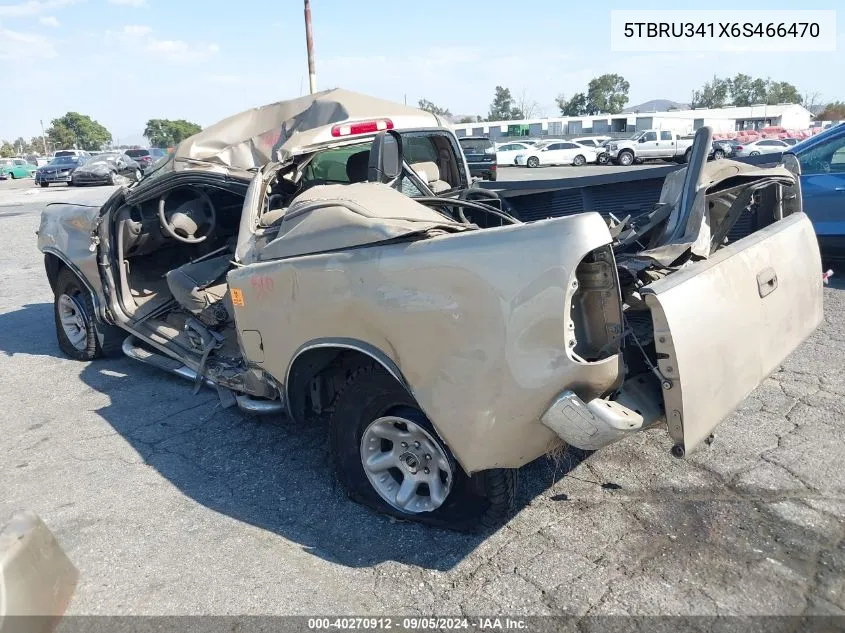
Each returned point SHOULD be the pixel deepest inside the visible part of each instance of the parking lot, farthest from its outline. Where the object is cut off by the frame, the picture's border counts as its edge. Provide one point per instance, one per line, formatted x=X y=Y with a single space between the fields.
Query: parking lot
x=169 y=504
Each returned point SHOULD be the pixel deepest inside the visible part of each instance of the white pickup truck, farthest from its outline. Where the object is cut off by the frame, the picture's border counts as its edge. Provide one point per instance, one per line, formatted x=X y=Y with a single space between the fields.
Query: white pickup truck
x=649 y=145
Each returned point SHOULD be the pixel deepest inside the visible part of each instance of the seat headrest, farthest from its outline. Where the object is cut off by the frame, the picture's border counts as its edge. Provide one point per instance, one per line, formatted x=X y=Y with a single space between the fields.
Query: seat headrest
x=428 y=171
x=357 y=166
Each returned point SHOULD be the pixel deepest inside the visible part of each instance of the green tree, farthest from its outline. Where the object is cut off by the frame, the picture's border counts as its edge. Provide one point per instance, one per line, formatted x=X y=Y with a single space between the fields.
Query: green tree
x=575 y=106
x=167 y=133
x=467 y=119
x=428 y=106
x=78 y=131
x=746 y=90
x=21 y=146
x=607 y=94
x=782 y=92
x=37 y=144
x=834 y=111
x=714 y=94
x=7 y=150
x=503 y=108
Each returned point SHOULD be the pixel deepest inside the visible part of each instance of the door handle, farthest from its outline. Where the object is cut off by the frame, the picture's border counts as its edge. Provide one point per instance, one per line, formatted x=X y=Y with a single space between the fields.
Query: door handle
x=767 y=282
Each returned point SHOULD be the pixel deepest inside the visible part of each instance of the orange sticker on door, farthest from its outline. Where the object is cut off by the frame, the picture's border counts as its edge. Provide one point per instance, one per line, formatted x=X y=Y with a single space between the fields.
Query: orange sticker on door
x=237 y=297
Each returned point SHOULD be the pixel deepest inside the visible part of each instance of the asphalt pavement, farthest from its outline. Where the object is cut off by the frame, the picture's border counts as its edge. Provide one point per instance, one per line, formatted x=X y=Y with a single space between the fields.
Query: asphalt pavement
x=169 y=504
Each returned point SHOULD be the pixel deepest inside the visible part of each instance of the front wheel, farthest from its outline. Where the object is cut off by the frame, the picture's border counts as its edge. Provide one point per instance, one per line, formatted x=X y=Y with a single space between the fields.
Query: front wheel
x=579 y=160
x=626 y=158
x=602 y=159
x=45 y=184
x=74 y=318
x=389 y=457
x=533 y=161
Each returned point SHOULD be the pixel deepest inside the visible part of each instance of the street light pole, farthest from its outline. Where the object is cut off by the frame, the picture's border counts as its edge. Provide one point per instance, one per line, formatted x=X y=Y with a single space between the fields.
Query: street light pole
x=309 y=42
x=43 y=137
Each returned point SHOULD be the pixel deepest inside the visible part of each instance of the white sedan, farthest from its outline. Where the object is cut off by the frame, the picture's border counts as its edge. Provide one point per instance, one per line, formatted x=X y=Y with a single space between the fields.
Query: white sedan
x=506 y=153
x=557 y=153
x=763 y=146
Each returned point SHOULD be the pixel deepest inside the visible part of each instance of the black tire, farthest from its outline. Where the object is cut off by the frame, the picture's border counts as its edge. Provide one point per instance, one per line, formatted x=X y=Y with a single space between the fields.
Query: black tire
x=625 y=158
x=70 y=183
x=754 y=154
x=602 y=159
x=578 y=161
x=68 y=284
x=718 y=154
x=474 y=503
x=532 y=162
x=45 y=184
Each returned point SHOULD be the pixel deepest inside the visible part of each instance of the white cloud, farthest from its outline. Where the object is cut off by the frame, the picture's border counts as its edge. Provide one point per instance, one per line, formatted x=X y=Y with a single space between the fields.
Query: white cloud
x=136 y=35
x=16 y=45
x=130 y=3
x=136 y=30
x=33 y=7
x=49 y=20
x=224 y=79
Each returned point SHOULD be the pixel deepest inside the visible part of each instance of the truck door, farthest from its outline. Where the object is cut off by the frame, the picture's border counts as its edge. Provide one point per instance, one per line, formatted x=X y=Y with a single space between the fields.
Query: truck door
x=666 y=145
x=648 y=147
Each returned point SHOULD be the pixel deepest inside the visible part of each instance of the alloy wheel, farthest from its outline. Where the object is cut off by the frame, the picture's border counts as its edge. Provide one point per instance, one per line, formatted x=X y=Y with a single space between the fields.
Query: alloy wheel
x=406 y=466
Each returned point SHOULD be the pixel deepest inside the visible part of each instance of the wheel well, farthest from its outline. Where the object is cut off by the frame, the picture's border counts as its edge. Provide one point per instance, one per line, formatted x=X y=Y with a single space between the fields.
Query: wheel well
x=317 y=375
x=53 y=265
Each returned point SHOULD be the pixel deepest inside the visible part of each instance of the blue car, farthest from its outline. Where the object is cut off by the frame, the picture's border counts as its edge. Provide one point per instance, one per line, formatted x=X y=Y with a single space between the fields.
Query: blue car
x=822 y=160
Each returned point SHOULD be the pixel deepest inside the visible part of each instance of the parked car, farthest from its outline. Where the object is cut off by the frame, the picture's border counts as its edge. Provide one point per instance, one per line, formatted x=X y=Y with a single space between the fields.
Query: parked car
x=506 y=153
x=724 y=148
x=649 y=145
x=79 y=153
x=595 y=142
x=761 y=146
x=822 y=162
x=60 y=169
x=106 y=168
x=557 y=153
x=397 y=314
x=141 y=156
x=480 y=153
x=11 y=168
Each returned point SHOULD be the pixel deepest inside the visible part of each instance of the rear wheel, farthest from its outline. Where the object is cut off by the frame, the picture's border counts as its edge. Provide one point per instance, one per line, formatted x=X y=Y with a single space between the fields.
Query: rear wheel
x=718 y=154
x=45 y=184
x=390 y=458
x=533 y=161
x=754 y=153
x=578 y=160
x=602 y=159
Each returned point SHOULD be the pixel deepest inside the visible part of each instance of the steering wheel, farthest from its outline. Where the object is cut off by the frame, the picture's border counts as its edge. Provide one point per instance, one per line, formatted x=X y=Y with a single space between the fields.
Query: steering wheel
x=185 y=221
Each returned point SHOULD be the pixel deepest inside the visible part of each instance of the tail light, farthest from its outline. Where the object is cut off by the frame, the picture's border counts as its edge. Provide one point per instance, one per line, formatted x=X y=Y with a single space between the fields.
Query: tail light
x=738 y=147
x=362 y=127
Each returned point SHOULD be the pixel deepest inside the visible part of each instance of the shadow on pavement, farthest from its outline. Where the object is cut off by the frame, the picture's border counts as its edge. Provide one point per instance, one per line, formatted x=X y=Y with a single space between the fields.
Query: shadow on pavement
x=269 y=472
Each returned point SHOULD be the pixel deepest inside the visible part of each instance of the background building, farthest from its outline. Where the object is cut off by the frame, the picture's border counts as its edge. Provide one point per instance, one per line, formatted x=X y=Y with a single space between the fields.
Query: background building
x=724 y=121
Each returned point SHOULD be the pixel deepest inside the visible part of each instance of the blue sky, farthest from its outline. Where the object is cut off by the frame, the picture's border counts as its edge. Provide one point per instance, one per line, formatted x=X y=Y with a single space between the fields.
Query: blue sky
x=126 y=61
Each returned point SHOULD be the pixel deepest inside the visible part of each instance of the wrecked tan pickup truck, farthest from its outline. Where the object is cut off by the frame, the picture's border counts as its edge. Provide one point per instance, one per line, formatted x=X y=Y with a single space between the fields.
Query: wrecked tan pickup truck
x=329 y=257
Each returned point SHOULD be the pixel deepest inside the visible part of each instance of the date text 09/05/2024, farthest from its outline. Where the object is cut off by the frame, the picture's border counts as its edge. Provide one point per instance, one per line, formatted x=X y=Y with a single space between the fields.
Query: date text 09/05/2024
x=417 y=624
x=721 y=29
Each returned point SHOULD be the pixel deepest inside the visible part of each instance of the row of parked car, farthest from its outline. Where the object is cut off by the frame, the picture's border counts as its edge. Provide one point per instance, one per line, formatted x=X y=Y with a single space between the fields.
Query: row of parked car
x=78 y=167
x=485 y=157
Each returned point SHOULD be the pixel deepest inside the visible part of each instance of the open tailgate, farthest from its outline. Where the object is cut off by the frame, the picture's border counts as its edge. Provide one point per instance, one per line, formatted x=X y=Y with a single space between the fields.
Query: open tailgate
x=723 y=324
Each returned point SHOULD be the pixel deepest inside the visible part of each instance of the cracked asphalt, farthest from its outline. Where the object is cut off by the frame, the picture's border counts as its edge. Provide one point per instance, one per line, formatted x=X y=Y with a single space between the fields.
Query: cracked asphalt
x=169 y=504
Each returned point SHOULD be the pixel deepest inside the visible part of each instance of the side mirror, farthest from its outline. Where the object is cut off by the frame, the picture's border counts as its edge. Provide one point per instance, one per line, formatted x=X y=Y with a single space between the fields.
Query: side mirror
x=385 y=157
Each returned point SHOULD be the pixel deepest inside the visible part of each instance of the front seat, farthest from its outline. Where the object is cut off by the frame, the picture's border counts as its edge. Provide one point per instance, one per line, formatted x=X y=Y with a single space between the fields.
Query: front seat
x=197 y=286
